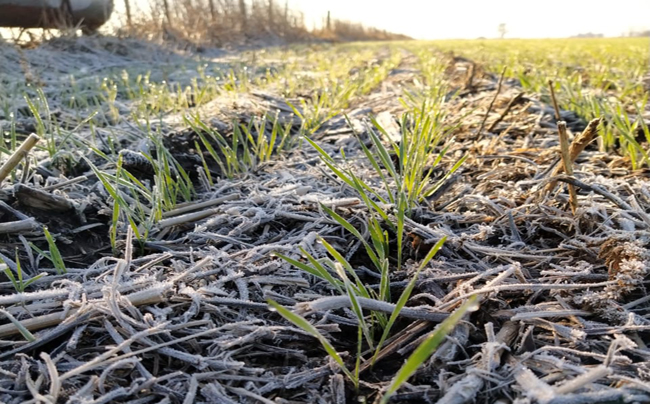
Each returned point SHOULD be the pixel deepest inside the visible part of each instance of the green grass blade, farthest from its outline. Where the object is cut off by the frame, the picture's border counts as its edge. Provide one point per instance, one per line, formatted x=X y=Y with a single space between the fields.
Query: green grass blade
x=406 y=294
x=317 y=269
x=427 y=347
x=401 y=214
x=29 y=337
x=340 y=220
x=10 y=275
x=356 y=307
x=345 y=264
x=55 y=255
x=306 y=326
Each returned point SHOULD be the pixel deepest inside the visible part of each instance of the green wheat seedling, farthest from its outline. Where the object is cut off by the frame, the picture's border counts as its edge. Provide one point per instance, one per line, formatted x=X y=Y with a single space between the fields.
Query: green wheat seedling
x=140 y=218
x=329 y=68
x=20 y=285
x=417 y=158
x=404 y=187
x=204 y=164
x=17 y=281
x=109 y=97
x=618 y=131
x=262 y=146
x=53 y=254
x=338 y=89
x=406 y=294
x=347 y=282
x=237 y=81
x=61 y=142
x=152 y=98
x=324 y=105
x=627 y=131
x=172 y=184
x=377 y=249
x=248 y=147
x=365 y=191
x=12 y=140
x=225 y=153
x=416 y=154
x=428 y=347
x=342 y=277
x=29 y=337
x=306 y=326
x=43 y=127
x=326 y=269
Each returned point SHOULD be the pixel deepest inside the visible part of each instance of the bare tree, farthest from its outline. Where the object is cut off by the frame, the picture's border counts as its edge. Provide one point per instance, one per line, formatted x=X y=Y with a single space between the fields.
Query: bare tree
x=213 y=12
x=502 y=30
x=204 y=22
x=168 y=15
x=285 y=22
x=242 y=12
x=127 y=6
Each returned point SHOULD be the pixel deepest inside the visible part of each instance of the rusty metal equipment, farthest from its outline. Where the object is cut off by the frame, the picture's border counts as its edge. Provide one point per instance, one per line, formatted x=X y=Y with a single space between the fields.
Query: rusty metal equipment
x=89 y=15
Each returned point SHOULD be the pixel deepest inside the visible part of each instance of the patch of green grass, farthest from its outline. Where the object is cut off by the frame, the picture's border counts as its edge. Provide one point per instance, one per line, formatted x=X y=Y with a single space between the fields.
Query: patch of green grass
x=347 y=80
x=593 y=78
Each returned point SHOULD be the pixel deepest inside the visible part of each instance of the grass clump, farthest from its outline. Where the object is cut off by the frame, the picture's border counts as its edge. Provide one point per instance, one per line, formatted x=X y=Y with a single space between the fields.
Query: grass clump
x=17 y=281
x=369 y=327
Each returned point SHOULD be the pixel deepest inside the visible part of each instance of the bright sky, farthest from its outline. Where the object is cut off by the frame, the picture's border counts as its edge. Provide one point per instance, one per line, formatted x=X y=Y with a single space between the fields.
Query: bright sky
x=436 y=19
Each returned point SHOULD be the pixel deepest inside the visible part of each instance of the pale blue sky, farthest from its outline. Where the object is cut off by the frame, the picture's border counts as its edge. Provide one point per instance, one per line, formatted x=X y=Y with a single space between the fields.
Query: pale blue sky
x=437 y=19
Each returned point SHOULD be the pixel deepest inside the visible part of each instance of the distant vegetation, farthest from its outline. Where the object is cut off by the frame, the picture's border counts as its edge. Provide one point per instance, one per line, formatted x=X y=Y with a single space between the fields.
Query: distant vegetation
x=645 y=33
x=212 y=22
x=588 y=35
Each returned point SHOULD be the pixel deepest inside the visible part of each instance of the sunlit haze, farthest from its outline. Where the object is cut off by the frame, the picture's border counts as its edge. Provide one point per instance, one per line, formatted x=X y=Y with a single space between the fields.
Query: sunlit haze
x=433 y=19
